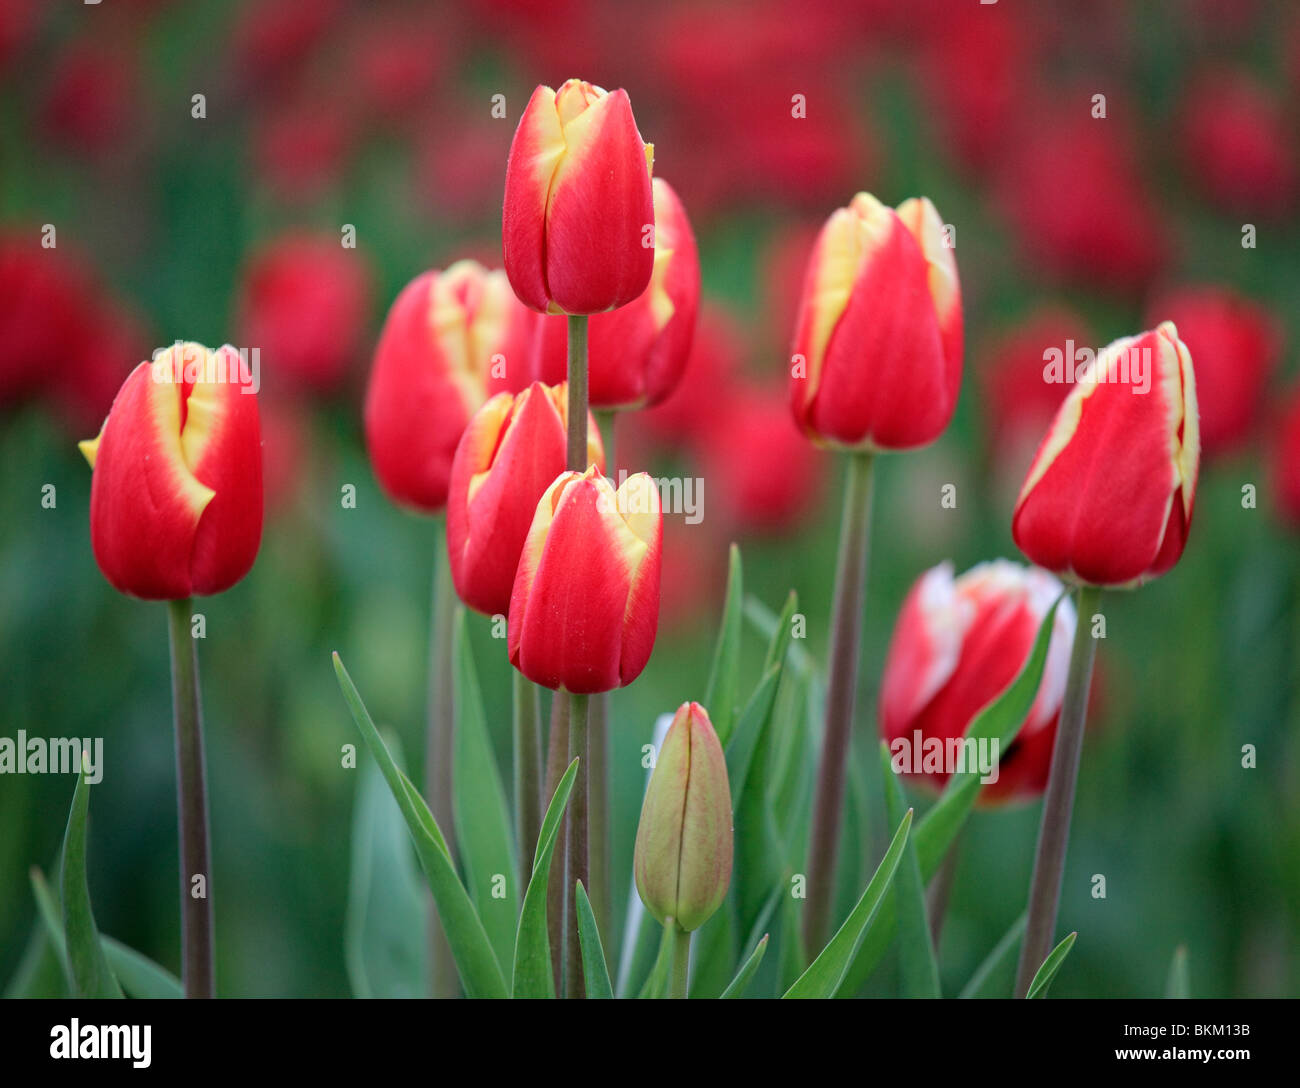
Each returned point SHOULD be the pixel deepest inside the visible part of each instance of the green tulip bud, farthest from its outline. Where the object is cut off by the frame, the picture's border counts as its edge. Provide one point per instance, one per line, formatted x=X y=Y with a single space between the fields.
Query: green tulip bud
x=684 y=840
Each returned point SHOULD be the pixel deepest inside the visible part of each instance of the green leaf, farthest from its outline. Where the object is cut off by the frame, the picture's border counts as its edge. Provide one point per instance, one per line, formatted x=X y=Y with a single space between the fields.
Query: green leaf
x=920 y=972
x=656 y=983
x=88 y=970
x=1179 y=983
x=1043 y=977
x=826 y=973
x=935 y=832
x=995 y=960
x=720 y=697
x=483 y=827
x=532 y=973
x=746 y=972
x=594 y=969
x=385 y=935
x=479 y=970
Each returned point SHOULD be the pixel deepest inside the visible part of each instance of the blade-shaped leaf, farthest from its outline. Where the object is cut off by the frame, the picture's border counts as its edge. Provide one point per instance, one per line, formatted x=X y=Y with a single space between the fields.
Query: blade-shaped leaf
x=721 y=695
x=532 y=973
x=746 y=972
x=920 y=972
x=1044 y=975
x=483 y=831
x=594 y=969
x=475 y=961
x=1179 y=983
x=385 y=936
x=88 y=969
x=826 y=973
x=935 y=832
x=995 y=960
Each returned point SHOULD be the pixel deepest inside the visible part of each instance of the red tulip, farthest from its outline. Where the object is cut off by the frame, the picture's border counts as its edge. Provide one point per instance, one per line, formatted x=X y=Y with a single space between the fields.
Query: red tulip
x=303 y=304
x=956 y=646
x=585 y=605
x=1236 y=344
x=877 y=354
x=450 y=338
x=1108 y=499
x=176 y=497
x=511 y=452
x=576 y=228
x=1286 y=460
x=636 y=354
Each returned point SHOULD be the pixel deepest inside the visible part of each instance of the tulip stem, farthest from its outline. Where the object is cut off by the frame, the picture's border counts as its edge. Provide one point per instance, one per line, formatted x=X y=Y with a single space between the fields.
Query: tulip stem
x=444 y=980
x=846 y=626
x=577 y=845
x=197 y=966
x=1058 y=802
x=577 y=393
x=681 y=961
x=528 y=772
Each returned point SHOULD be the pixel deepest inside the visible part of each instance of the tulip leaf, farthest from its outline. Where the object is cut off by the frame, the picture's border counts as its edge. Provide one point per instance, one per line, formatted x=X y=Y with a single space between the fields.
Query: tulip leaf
x=721 y=695
x=88 y=969
x=920 y=972
x=656 y=983
x=479 y=970
x=533 y=976
x=746 y=972
x=1044 y=975
x=935 y=832
x=1000 y=957
x=483 y=825
x=1178 y=985
x=385 y=935
x=825 y=975
x=594 y=969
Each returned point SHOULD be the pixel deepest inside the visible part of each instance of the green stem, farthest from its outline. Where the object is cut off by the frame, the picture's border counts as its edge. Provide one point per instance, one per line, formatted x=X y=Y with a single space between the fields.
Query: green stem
x=576 y=855
x=444 y=980
x=1058 y=801
x=846 y=626
x=577 y=375
x=681 y=961
x=528 y=772
x=197 y=965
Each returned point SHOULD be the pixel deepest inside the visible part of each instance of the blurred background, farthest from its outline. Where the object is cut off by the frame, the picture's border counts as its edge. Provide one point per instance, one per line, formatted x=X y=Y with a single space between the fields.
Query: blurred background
x=315 y=116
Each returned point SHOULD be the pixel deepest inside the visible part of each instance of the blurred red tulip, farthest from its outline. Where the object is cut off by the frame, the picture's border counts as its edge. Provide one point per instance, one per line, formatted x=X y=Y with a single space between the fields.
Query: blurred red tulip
x=304 y=302
x=1108 y=500
x=878 y=352
x=1235 y=344
x=957 y=644
x=176 y=495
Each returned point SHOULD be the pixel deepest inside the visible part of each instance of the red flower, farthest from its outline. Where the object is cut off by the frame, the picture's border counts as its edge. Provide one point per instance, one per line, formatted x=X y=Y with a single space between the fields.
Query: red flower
x=1108 y=500
x=877 y=354
x=578 y=207
x=176 y=497
x=585 y=605
x=956 y=646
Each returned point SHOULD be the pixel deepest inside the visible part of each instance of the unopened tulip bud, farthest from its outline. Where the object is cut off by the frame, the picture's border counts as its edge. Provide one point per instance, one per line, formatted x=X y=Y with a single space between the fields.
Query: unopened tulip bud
x=585 y=604
x=878 y=344
x=176 y=496
x=1109 y=496
x=578 y=208
x=449 y=339
x=511 y=452
x=683 y=851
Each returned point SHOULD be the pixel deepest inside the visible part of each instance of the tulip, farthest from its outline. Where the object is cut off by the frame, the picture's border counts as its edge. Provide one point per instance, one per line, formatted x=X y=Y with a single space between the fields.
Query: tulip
x=176 y=496
x=682 y=859
x=1236 y=344
x=449 y=339
x=1109 y=496
x=511 y=452
x=578 y=202
x=303 y=304
x=877 y=351
x=636 y=354
x=585 y=603
x=957 y=644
